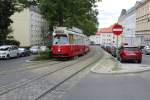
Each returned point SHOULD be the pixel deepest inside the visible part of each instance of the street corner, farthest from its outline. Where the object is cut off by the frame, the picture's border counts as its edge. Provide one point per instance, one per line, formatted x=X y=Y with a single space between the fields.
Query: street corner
x=107 y=65
x=134 y=68
x=110 y=65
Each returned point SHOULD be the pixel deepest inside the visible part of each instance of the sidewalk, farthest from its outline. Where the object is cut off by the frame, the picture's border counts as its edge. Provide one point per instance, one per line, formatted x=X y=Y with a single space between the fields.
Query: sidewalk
x=110 y=65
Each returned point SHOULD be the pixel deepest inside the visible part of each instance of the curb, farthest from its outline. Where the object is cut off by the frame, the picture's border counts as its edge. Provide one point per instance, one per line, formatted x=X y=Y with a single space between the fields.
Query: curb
x=121 y=71
x=30 y=61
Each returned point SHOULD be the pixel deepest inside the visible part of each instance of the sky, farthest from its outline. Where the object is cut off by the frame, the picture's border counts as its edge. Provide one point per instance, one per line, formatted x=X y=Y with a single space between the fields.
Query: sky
x=109 y=11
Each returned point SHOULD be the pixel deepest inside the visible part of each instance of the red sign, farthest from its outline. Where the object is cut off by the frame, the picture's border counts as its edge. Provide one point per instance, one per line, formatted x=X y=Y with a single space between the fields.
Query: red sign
x=117 y=29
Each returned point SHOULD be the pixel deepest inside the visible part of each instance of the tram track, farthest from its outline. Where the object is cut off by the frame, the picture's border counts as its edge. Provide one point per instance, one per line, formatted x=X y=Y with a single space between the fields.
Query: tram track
x=6 y=89
x=63 y=81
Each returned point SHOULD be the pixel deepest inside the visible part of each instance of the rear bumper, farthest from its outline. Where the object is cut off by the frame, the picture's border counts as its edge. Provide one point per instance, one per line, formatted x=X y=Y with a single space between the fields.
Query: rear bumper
x=131 y=58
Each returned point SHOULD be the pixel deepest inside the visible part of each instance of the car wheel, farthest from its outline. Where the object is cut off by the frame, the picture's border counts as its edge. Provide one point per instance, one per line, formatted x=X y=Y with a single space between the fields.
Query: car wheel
x=139 y=61
x=8 y=56
x=75 y=57
x=18 y=55
x=121 y=60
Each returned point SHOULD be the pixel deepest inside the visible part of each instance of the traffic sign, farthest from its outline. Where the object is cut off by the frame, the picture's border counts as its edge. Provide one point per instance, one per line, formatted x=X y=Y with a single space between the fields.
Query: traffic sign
x=117 y=29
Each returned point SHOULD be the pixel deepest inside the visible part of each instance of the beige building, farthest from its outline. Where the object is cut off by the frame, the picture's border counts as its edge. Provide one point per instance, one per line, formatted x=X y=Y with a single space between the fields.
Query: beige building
x=29 y=27
x=107 y=36
x=143 y=21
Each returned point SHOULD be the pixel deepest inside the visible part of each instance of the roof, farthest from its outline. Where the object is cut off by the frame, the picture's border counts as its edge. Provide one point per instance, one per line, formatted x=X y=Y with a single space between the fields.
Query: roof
x=105 y=30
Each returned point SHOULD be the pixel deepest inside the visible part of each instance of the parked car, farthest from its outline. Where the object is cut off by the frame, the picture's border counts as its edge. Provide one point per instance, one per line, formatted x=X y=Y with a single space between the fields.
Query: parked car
x=108 y=48
x=130 y=53
x=43 y=48
x=34 y=49
x=24 y=52
x=8 y=51
x=113 y=51
x=146 y=50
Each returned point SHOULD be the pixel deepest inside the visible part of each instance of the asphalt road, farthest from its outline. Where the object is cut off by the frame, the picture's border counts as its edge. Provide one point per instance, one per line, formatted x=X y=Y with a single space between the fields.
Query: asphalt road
x=22 y=85
x=13 y=63
x=113 y=87
x=93 y=86
x=146 y=59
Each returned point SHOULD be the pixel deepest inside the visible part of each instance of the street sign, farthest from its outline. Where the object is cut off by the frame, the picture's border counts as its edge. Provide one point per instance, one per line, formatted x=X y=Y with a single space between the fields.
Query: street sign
x=117 y=29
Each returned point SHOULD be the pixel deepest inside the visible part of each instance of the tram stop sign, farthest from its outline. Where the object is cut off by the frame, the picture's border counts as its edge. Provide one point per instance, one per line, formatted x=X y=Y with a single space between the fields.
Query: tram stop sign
x=117 y=29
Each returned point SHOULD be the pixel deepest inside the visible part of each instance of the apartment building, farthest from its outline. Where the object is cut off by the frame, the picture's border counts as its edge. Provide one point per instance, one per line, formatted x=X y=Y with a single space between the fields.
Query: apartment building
x=143 y=21
x=128 y=20
x=96 y=39
x=29 y=27
x=107 y=36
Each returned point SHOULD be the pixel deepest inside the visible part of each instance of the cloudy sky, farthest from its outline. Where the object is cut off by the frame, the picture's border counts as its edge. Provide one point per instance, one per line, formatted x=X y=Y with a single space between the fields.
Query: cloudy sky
x=110 y=10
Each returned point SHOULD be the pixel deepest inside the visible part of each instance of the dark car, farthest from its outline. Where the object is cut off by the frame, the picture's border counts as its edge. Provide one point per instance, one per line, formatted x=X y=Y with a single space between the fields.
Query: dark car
x=114 y=51
x=130 y=53
x=108 y=48
x=24 y=52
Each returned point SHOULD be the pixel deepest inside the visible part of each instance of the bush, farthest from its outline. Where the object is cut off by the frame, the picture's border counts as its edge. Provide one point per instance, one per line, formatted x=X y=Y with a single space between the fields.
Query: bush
x=12 y=42
x=43 y=56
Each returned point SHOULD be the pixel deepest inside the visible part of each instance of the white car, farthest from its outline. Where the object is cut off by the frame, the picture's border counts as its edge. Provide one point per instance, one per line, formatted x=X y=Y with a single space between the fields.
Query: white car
x=43 y=48
x=146 y=50
x=34 y=49
x=8 y=51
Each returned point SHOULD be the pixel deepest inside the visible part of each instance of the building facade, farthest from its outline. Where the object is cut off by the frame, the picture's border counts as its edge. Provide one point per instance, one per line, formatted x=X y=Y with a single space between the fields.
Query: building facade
x=96 y=39
x=128 y=20
x=107 y=36
x=143 y=21
x=29 y=27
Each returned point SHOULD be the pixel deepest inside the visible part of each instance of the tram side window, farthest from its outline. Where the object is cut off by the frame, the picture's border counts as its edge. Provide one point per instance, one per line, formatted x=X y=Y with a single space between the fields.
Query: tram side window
x=71 y=39
x=60 y=39
x=78 y=40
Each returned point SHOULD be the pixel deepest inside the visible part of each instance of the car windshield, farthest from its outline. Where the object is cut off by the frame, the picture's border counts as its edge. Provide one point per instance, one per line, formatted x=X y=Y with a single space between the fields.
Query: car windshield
x=60 y=39
x=34 y=47
x=131 y=48
x=22 y=49
x=4 y=48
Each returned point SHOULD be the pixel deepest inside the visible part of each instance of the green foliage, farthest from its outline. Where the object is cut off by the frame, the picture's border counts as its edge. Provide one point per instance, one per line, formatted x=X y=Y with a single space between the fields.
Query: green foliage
x=78 y=13
x=43 y=56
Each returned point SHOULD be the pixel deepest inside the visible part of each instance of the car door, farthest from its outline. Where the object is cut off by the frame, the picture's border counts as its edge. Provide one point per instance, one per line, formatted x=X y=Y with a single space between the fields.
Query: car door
x=11 y=52
x=15 y=51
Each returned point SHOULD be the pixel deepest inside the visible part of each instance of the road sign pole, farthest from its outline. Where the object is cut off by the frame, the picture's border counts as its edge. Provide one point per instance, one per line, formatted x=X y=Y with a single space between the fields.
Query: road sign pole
x=117 y=48
x=117 y=30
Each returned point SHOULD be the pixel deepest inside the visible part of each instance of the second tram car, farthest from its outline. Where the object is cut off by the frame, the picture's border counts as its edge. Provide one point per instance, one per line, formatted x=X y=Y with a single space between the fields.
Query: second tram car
x=69 y=42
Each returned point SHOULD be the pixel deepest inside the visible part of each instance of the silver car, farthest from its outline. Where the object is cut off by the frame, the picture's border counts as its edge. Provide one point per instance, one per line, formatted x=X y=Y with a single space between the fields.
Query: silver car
x=146 y=50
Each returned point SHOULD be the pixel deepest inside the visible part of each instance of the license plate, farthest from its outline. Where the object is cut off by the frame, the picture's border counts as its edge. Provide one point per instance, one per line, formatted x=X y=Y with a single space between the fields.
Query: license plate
x=131 y=54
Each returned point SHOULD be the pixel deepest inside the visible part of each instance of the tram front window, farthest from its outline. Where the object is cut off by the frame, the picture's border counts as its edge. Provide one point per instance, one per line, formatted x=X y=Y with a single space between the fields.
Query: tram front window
x=61 y=39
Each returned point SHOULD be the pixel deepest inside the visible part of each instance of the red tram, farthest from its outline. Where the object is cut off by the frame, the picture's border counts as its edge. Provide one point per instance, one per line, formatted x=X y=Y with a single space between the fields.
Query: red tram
x=69 y=43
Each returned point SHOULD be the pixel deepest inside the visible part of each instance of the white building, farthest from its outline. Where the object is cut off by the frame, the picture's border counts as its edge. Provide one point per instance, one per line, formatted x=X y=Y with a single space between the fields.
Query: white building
x=107 y=36
x=96 y=39
x=29 y=27
x=128 y=20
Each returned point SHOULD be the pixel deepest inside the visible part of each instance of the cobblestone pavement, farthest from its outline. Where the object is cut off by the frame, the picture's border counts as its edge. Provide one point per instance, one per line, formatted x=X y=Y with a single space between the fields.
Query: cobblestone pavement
x=47 y=78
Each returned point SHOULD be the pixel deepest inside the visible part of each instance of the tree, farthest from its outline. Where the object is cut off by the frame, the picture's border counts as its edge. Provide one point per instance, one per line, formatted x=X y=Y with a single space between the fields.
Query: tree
x=78 y=13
